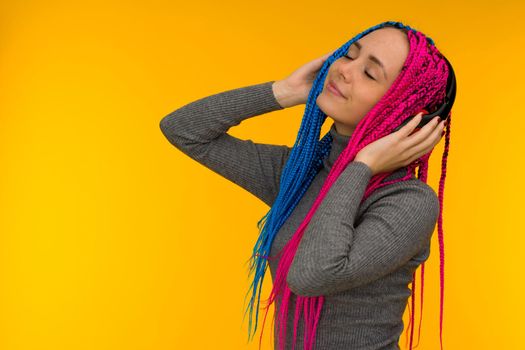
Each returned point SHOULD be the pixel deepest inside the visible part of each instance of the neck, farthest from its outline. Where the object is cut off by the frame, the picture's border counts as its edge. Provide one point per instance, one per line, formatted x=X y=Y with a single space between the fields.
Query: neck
x=343 y=129
x=339 y=143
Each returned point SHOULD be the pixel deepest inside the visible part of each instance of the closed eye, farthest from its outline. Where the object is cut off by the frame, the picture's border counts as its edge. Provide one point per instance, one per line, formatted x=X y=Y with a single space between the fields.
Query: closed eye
x=366 y=73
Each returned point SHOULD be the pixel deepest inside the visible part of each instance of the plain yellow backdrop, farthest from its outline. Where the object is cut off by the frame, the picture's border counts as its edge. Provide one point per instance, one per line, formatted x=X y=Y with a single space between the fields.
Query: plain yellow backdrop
x=111 y=238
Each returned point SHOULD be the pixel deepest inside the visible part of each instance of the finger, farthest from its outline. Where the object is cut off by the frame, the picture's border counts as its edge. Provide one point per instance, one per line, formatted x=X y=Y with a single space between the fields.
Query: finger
x=430 y=141
x=316 y=65
x=421 y=153
x=423 y=133
x=318 y=62
x=325 y=56
x=407 y=129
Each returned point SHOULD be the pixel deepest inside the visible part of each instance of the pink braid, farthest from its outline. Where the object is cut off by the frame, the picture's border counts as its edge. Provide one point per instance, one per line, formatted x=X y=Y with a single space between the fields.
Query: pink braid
x=421 y=83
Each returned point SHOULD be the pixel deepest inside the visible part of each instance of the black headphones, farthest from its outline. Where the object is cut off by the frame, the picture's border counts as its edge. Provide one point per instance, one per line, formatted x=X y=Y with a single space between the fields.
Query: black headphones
x=443 y=111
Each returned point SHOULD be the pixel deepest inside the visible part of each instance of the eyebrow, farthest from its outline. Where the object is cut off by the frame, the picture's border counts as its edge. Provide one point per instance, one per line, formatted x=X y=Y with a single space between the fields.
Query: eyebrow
x=372 y=58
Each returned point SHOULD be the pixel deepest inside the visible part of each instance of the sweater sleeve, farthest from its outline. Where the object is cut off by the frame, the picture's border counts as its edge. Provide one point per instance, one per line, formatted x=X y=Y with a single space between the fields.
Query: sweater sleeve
x=199 y=129
x=337 y=254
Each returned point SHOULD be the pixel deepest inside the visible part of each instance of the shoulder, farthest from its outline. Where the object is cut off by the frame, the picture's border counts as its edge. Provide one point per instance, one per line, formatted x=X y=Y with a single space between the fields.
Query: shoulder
x=412 y=188
x=409 y=198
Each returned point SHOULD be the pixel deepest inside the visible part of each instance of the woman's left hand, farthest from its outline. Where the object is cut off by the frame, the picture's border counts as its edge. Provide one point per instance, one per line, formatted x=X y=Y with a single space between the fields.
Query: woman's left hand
x=402 y=147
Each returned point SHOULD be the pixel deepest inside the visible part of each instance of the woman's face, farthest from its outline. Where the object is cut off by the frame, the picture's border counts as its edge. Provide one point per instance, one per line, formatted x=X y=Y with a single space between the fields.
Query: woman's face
x=363 y=80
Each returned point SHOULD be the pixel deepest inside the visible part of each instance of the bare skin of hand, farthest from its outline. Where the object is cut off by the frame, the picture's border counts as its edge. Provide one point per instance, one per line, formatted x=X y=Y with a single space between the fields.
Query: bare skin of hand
x=387 y=154
x=402 y=147
x=295 y=88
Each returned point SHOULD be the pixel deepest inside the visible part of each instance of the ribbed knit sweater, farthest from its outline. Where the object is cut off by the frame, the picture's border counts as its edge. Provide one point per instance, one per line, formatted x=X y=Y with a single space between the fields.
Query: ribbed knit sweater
x=361 y=258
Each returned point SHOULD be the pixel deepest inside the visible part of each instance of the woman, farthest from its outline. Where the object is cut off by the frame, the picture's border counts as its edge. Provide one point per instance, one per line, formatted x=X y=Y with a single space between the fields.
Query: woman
x=349 y=223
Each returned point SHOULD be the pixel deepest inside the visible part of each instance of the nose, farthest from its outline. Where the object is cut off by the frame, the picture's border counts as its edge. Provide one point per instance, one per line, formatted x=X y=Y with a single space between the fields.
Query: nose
x=347 y=69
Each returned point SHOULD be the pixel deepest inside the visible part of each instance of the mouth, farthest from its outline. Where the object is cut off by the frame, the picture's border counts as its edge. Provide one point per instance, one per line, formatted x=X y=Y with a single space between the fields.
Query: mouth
x=332 y=88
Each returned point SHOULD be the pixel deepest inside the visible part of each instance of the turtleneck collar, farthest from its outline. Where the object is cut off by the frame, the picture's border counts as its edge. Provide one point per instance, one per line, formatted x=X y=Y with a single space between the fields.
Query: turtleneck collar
x=339 y=143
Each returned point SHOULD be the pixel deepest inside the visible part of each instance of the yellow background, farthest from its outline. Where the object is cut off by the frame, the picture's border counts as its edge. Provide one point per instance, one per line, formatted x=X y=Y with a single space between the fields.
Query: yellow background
x=111 y=238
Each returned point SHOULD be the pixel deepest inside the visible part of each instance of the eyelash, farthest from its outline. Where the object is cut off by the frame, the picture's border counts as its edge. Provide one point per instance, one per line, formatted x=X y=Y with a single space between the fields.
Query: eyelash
x=369 y=76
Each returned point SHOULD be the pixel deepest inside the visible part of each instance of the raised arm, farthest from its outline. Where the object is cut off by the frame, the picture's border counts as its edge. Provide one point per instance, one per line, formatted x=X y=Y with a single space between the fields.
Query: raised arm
x=199 y=129
x=337 y=254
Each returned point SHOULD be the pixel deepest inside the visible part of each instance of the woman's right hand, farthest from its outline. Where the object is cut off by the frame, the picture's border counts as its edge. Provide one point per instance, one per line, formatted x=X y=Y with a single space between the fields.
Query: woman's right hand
x=295 y=88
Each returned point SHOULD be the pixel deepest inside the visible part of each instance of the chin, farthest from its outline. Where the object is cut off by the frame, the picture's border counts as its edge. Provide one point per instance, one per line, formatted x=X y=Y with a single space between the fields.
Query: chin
x=325 y=105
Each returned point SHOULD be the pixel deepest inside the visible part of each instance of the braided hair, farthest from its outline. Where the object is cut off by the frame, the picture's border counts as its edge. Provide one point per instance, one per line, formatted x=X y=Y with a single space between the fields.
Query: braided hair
x=421 y=84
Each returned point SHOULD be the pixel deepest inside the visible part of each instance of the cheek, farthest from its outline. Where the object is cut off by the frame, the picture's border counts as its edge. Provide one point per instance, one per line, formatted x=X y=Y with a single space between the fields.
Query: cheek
x=369 y=101
x=371 y=97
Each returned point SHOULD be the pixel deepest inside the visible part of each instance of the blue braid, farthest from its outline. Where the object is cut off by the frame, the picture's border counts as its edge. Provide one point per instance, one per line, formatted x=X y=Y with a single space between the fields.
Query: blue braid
x=303 y=164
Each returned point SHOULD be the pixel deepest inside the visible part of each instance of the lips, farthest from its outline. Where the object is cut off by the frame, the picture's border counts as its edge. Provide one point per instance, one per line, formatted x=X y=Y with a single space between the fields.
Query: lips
x=334 y=89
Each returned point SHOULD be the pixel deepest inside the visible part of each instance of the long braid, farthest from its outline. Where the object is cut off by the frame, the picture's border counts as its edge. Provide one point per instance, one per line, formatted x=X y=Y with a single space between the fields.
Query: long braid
x=421 y=83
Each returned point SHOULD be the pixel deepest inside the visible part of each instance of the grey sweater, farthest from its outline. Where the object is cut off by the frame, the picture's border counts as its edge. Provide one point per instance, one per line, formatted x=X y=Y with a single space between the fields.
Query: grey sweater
x=359 y=257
